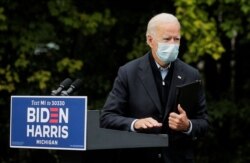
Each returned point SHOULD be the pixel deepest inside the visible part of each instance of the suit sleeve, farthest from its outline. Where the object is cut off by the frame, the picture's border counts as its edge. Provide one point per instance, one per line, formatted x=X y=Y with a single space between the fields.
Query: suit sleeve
x=115 y=111
x=200 y=119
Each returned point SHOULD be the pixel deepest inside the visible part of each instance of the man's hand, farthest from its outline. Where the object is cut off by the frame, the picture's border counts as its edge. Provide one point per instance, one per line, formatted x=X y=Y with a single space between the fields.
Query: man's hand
x=146 y=123
x=179 y=122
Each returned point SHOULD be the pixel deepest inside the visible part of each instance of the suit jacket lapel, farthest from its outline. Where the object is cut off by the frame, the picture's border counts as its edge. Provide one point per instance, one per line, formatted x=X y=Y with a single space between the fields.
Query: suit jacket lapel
x=147 y=78
x=177 y=79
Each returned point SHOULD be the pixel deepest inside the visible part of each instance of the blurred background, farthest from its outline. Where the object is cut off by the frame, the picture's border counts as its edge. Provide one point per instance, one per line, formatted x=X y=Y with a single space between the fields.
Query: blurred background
x=43 y=42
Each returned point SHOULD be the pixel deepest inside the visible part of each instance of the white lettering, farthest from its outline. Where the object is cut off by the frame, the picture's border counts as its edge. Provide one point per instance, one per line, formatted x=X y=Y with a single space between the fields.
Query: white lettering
x=43 y=102
x=30 y=130
x=47 y=131
x=65 y=133
x=38 y=131
x=31 y=114
x=53 y=131
x=44 y=115
x=49 y=142
x=64 y=116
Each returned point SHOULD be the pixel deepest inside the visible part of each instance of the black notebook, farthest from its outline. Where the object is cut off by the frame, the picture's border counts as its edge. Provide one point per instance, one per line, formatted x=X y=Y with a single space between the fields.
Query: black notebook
x=188 y=95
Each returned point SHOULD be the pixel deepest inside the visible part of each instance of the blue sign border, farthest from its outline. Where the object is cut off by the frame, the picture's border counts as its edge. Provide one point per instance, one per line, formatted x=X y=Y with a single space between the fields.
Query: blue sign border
x=76 y=125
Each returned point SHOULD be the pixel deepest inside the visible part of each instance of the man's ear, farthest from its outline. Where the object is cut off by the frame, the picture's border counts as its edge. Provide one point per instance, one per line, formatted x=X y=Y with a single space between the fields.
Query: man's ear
x=149 y=40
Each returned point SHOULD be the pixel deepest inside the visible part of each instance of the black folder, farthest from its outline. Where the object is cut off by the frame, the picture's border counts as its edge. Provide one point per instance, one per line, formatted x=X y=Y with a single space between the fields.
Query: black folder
x=188 y=95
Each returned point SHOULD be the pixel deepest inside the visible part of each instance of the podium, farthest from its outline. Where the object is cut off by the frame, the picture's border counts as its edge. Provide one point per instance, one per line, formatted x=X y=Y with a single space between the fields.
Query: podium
x=102 y=138
x=105 y=144
x=34 y=119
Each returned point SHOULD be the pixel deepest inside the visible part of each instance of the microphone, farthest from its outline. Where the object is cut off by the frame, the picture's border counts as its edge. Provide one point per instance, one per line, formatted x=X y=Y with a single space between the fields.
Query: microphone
x=75 y=85
x=64 y=84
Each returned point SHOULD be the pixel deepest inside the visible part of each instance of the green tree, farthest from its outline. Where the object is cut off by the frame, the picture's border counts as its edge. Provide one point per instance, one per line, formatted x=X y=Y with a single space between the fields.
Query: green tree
x=43 y=42
x=39 y=43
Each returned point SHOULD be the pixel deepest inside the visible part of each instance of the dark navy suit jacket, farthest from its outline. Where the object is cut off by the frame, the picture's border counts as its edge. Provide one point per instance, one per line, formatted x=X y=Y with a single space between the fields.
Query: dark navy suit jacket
x=134 y=95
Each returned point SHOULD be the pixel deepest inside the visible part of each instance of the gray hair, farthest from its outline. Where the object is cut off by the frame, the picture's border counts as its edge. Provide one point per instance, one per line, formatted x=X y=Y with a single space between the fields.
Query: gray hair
x=158 y=19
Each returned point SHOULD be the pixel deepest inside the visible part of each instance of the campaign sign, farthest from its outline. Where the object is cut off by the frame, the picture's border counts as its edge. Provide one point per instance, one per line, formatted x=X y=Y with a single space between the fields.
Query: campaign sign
x=48 y=122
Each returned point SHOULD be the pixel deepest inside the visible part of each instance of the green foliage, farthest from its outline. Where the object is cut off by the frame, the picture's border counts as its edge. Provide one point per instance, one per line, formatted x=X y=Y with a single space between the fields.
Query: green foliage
x=25 y=44
x=66 y=13
x=139 y=48
x=203 y=24
x=3 y=25
x=21 y=62
x=70 y=65
x=94 y=41
x=8 y=78
x=90 y=23
x=234 y=17
x=199 y=30
x=228 y=134
x=41 y=77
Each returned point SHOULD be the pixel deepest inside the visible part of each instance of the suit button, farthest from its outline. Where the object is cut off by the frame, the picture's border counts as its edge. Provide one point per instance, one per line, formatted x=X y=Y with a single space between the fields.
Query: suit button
x=159 y=155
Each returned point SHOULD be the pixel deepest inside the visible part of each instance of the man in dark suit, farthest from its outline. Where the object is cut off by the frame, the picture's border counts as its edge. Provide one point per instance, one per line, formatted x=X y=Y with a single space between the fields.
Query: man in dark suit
x=144 y=95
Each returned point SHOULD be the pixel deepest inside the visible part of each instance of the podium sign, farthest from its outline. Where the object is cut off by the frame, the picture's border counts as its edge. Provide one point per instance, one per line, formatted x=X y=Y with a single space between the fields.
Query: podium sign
x=48 y=122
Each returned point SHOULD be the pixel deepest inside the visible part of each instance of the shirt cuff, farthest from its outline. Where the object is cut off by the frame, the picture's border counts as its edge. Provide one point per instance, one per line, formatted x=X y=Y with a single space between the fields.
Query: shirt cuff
x=190 y=128
x=132 y=126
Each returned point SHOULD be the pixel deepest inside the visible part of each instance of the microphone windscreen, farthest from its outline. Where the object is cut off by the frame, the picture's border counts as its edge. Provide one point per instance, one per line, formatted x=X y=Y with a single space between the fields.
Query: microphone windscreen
x=76 y=84
x=66 y=83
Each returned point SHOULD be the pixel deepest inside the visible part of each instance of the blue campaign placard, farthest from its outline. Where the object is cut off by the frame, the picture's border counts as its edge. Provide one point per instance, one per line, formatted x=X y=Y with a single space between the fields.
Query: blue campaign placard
x=48 y=122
